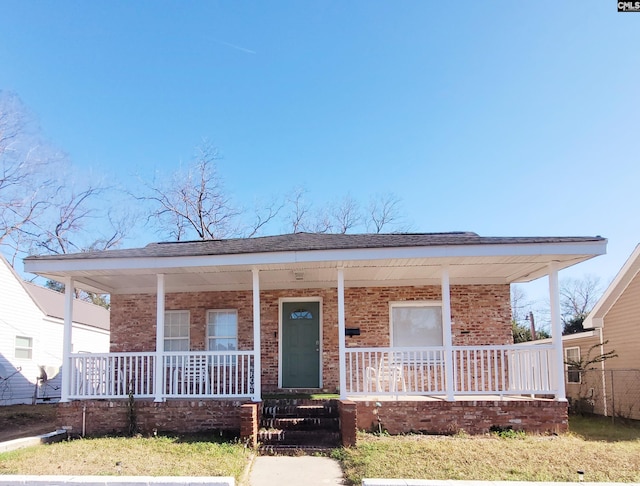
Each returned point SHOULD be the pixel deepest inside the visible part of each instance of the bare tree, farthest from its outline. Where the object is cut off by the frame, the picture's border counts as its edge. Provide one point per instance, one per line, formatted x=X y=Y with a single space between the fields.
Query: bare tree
x=577 y=298
x=384 y=213
x=27 y=167
x=263 y=215
x=193 y=204
x=346 y=215
x=299 y=212
x=69 y=226
x=519 y=304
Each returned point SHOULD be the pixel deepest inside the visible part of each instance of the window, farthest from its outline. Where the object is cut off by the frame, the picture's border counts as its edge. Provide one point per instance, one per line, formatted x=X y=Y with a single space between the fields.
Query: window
x=572 y=355
x=301 y=314
x=24 y=347
x=222 y=330
x=416 y=324
x=176 y=331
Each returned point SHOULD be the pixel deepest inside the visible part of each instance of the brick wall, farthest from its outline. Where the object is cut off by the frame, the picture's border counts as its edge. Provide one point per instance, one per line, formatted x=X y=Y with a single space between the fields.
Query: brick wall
x=480 y=314
x=472 y=417
x=176 y=416
x=250 y=423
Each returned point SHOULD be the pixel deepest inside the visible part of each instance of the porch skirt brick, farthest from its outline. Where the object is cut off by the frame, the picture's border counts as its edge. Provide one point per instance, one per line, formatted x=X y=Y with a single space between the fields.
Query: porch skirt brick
x=472 y=417
x=103 y=417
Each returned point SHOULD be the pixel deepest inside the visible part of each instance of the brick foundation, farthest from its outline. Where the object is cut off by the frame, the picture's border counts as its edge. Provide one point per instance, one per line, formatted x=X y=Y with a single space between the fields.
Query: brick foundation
x=472 y=417
x=348 y=422
x=103 y=417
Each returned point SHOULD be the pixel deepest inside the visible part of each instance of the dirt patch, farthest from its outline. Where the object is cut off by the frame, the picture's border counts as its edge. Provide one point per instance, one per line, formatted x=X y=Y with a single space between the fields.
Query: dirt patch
x=18 y=421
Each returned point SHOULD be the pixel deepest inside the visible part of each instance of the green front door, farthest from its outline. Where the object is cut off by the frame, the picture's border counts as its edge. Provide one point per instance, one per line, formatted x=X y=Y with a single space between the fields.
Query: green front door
x=301 y=345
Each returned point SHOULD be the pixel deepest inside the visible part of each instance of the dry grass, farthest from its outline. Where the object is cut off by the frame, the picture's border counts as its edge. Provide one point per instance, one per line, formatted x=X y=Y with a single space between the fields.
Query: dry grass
x=160 y=456
x=605 y=451
x=491 y=458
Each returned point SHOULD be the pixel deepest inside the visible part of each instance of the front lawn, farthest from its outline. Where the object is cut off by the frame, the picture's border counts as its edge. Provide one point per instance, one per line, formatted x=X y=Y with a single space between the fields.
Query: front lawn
x=159 y=456
x=605 y=452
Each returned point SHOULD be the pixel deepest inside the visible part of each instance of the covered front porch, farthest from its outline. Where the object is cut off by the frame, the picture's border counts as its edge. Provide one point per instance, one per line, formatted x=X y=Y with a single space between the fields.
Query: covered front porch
x=396 y=317
x=369 y=373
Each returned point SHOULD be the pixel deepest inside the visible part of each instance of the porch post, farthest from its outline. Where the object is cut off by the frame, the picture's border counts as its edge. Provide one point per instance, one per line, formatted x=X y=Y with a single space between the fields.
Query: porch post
x=67 y=340
x=556 y=331
x=158 y=382
x=447 y=334
x=257 y=348
x=342 y=358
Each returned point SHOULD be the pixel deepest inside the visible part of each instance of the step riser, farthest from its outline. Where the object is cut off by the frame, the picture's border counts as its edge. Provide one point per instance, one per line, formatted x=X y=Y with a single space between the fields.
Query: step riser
x=299 y=438
x=301 y=423
x=293 y=411
x=297 y=425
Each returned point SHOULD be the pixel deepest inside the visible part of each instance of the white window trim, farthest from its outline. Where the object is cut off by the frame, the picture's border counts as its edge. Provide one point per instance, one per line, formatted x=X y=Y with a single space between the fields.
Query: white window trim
x=22 y=348
x=187 y=337
x=235 y=311
x=411 y=303
x=566 y=366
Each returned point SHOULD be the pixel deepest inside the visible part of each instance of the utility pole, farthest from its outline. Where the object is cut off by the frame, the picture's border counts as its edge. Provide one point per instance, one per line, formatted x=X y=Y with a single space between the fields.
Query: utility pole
x=532 y=325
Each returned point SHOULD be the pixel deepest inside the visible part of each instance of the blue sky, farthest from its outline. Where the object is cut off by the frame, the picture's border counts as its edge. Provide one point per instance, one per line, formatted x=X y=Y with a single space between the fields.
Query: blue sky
x=505 y=118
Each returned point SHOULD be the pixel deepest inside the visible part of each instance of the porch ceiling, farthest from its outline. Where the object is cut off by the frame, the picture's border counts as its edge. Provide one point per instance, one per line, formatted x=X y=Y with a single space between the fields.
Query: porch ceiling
x=191 y=276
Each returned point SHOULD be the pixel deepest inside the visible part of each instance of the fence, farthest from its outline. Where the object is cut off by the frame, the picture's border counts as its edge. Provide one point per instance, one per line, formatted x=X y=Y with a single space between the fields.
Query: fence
x=613 y=393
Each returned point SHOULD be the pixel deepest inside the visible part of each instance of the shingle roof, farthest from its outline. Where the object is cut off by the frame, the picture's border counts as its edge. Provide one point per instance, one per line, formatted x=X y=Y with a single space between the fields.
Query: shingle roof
x=52 y=304
x=312 y=242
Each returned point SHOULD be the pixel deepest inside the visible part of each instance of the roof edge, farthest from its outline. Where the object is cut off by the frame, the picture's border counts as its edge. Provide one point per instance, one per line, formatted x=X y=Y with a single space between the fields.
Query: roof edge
x=613 y=292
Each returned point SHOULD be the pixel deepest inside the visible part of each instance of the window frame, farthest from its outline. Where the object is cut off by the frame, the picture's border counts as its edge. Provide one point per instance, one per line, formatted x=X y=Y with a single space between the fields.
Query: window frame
x=414 y=303
x=17 y=348
x=166 y=338
x=210 y=337
x=572 y=371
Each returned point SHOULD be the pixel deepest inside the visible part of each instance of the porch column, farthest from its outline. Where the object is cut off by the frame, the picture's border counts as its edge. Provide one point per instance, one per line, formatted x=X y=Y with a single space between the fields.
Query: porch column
x=447 y=336
x=158 y=382
x=342 y=358
x=67 y=340
x=556 y=331
x=257 y=348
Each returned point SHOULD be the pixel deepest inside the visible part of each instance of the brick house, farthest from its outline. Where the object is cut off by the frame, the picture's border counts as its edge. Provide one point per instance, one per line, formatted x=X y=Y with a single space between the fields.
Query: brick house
x=412 y=330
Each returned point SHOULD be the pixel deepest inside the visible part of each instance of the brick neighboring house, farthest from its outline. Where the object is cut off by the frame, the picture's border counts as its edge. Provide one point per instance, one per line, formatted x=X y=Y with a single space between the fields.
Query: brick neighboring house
x=412 y=330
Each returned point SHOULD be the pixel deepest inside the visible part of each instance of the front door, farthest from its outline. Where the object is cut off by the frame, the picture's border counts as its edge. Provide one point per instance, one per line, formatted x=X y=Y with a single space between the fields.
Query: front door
x=300 y=345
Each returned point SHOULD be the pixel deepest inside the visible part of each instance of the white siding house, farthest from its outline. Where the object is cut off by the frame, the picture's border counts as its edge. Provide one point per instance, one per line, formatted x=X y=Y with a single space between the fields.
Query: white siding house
x=31 y=333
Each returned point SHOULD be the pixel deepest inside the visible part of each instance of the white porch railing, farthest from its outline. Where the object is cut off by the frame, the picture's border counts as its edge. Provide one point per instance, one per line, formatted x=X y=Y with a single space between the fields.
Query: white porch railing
x=206 y=374
x=212 y=374
x=111 y=375
x=477 y=370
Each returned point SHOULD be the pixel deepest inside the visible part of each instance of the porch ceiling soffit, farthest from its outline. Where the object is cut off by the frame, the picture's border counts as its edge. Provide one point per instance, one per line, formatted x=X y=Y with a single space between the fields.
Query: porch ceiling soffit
x=202 y=274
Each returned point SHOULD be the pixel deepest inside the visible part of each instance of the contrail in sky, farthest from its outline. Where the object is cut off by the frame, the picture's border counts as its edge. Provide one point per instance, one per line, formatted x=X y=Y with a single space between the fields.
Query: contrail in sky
x=243 y=49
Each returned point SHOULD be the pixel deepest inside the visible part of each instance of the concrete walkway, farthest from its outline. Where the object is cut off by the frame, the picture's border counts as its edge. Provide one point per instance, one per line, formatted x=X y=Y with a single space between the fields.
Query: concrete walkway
x=295 y=471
